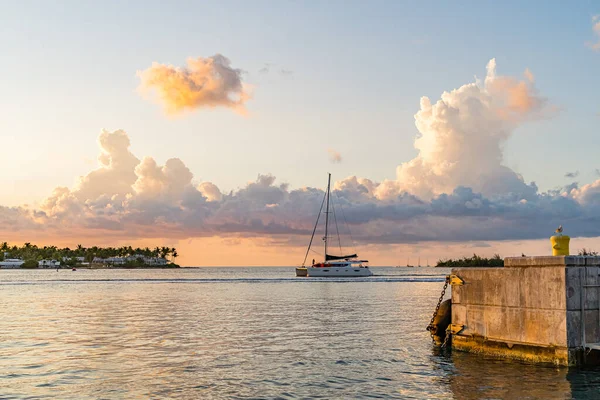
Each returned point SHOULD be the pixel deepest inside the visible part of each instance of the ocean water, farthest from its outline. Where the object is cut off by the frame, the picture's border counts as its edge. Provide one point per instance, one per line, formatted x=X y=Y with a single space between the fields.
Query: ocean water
x=243 y=333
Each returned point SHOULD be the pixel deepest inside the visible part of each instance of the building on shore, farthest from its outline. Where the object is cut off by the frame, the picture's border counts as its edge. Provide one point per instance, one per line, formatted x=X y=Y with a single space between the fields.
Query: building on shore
x=11 y=263
x=115 y=260
x=48 y=264
x=124 y=260
x=79 y=260
x=155 y=261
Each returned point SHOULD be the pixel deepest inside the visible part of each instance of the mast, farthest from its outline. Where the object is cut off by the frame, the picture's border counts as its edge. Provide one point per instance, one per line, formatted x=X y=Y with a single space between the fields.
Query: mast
x=327 y=214
x=314 y=230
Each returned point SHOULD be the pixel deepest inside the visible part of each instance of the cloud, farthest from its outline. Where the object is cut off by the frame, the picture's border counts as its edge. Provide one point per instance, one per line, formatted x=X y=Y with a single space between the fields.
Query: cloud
x=266 y=68
x=596 y=29
x=210 y=191
x=164 y=201
x=204 y=83
x=456 y=189
x=597 y=171
x=116 y=172
x=334 y=156
x=574 y=174
x=461 y=137
x=480 y=245
x=168 y=181
x=529 y=75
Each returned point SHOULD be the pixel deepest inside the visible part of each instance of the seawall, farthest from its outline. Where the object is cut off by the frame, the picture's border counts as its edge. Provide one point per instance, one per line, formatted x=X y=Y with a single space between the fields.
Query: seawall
x=537 y=309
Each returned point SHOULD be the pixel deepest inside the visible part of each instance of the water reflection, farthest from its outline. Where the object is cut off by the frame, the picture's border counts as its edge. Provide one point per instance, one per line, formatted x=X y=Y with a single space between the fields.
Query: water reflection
x=585 y=382
x=476 y=376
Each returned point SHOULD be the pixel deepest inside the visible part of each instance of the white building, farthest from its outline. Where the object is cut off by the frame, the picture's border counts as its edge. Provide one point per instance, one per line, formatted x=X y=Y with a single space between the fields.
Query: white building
x=79 y=260
x=155 y=261
x=115 y=260
x=124 y=260
x=48 y=263
x=11 y=263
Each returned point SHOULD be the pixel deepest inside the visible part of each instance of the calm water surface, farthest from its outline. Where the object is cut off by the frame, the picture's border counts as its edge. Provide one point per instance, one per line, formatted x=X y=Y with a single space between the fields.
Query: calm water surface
x=245 y=333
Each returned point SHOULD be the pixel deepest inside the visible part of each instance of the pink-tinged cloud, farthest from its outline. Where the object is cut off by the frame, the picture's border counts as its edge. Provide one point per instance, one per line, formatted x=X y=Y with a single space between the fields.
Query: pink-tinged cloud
x=204 y=83
x=163 y=201
x=334 y=156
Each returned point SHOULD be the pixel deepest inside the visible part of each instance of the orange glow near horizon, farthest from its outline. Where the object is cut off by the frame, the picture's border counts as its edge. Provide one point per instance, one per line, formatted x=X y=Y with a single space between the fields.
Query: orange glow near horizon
x=252 y=252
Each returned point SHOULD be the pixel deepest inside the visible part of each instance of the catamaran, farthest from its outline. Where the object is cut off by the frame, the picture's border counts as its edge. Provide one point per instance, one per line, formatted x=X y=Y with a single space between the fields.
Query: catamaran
x=333 y=265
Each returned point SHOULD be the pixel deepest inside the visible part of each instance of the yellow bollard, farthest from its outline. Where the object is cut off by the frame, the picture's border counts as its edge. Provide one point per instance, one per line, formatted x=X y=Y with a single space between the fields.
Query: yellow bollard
x=560 y=245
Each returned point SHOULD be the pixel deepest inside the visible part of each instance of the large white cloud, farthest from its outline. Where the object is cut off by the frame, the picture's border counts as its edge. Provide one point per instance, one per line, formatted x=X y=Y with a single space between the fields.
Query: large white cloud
x=116 y=173
x=461 y=137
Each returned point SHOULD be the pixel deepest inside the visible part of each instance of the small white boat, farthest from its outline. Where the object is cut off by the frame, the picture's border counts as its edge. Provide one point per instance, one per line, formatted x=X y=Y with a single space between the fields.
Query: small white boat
x=332 y=266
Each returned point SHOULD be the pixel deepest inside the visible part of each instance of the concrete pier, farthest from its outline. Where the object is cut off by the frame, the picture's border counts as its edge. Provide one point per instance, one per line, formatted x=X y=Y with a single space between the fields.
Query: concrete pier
x=538 y=309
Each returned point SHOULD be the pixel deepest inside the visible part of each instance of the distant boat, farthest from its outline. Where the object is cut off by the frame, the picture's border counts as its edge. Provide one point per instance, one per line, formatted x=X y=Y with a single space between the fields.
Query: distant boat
x=74 y=269
x=333 y=266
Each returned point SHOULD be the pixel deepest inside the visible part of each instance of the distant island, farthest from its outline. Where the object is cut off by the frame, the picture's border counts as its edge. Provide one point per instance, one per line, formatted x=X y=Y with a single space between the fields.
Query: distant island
x=31 y=256
x=475 y=261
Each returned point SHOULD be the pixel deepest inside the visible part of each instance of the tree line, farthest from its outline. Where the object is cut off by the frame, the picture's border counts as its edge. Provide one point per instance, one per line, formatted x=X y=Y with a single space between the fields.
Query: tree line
x=474 y=261
x=32 y=252
x=495 y=261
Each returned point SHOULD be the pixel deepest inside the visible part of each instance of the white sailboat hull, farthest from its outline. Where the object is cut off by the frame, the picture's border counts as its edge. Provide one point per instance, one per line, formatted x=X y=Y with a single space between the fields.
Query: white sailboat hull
x=340 y=272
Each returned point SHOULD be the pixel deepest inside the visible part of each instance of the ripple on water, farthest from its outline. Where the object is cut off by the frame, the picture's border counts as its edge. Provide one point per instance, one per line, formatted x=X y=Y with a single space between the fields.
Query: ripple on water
x=244 y=333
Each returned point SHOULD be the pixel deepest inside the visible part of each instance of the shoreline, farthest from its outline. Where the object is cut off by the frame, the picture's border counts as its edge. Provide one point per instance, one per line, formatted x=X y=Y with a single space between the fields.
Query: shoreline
x=175 y=266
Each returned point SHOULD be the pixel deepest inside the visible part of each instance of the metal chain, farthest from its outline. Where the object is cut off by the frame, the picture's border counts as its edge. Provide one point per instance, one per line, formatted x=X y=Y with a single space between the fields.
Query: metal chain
x=430 y=327
x=446 y=339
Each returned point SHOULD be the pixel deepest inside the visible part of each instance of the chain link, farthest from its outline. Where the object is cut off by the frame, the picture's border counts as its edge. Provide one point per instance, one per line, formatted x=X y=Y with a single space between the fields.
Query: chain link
x=446 y=339
x=431 y=327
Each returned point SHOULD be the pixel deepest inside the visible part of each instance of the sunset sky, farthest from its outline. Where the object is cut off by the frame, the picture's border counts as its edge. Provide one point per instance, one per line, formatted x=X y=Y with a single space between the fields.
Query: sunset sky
x=448 y=128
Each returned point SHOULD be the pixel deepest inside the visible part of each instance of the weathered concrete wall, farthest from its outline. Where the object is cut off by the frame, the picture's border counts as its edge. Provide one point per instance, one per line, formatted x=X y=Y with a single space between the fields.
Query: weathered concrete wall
x=531 y=309
x=551 y=261
x=576 y=278
x=504 y=307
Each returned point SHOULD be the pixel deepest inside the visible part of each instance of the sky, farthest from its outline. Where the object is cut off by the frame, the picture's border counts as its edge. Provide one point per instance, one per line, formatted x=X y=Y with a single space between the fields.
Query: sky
x=211 y=126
